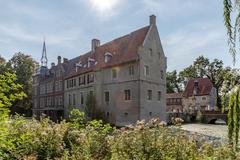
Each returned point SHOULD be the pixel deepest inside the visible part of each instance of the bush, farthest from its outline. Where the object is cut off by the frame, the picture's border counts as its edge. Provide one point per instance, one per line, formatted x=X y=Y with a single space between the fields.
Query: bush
x=79 y=139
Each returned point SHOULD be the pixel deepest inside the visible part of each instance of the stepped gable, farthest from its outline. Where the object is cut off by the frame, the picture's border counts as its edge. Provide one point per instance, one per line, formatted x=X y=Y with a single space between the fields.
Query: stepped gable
x=205 y=87
x=123 y=50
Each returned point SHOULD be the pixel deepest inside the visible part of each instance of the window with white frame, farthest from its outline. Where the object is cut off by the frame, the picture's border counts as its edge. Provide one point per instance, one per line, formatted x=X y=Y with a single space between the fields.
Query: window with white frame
x=74 y=99
x=127 y=94
x=106 y=94
x=81 y=98
x=146 y=70
x=42 y=89
x=69 y=99
x=114 y=73
x=42 y=102
x=81 y=80
x=131 y=70
x=161 y=74
x=56 y=86
x=149 y=95
x=60 y=100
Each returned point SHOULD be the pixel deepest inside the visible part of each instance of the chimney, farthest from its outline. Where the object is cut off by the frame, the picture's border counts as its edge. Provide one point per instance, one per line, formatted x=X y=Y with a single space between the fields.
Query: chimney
x=65 y=60
x=152 y=20
x=59 y=59
x=52 y=64
x=196 y=87
x=95 y=44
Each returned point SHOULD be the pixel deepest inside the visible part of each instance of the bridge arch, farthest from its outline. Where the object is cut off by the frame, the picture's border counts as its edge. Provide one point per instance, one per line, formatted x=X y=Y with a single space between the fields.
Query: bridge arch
x=214 y=120
x=210 y=117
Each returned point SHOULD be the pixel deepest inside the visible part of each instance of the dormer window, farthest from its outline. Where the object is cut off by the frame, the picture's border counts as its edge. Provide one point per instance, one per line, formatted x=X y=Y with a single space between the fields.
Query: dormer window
x=91 y=62
x=107 y=57
x=78 y=65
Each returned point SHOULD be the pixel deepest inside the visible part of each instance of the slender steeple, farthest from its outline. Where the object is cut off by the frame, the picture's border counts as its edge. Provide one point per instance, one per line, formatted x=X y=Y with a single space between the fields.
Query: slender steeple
x=44 y=59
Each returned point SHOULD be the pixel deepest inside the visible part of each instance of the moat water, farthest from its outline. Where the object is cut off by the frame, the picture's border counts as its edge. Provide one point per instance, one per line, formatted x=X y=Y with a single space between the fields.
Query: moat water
x=216 y=130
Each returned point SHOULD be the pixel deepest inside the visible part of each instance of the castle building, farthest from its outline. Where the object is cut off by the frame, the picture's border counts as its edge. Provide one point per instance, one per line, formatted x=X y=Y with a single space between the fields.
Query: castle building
x=124 y=80
x=199 y=94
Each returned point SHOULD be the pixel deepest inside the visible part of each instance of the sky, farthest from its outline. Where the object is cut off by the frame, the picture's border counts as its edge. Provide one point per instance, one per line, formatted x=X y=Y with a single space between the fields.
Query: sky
x=187 y=28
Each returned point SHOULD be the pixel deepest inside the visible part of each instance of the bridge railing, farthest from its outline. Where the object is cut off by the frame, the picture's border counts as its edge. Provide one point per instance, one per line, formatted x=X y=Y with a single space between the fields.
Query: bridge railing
x=213 y=112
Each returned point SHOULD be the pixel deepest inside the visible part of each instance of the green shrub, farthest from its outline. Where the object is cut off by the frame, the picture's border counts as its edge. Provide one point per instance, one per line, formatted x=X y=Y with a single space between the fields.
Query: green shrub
x=79 y=139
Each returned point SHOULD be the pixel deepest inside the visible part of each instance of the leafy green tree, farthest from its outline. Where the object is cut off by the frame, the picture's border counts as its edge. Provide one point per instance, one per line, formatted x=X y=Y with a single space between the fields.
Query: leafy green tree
x=10 y=91
x=232 y=23
x=216 y=73
x=3 y=65
x=24 y=67
x=202 y=67
x=188 y=73
x=173 y=82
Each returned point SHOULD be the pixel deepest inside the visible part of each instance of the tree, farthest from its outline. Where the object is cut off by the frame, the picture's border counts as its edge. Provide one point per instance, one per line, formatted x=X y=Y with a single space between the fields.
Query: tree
x=201 y=64
x=202 y=67
x=173 y=82
x=232 y=24
x=188 y=73
x=3 y=65
x=216 y=73
x=24 y=67
x=10 y=91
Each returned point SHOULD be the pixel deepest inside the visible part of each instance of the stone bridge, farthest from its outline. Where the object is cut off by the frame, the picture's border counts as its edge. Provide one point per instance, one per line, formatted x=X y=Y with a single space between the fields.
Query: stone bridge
x=210 y=117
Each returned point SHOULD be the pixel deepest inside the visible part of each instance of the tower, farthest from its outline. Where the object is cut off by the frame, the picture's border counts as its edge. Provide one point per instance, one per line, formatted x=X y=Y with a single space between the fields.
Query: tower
x=44 y=59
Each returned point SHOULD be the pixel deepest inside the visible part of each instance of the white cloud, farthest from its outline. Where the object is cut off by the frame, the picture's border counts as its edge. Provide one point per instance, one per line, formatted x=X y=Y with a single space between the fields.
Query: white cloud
x=16 y=33
x=184 y=45
x=172 y=8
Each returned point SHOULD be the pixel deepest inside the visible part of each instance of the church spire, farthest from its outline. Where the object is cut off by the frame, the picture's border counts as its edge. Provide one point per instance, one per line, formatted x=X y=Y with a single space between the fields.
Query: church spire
x=44 y=59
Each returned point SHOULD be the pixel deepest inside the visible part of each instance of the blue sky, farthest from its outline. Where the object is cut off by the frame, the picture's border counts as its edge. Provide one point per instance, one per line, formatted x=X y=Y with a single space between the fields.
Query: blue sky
x=188 y=28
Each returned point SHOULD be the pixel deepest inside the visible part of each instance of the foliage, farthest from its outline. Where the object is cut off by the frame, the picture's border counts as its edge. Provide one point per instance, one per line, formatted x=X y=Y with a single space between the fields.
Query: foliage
x=232 y=24
x=188 y=73
x=10 y=91
x=31 y=139
x=203 y=67
x=24 y=67
x=77 y=118
x=3 y=65
x=231 y=99
x=231 y=96
x=173 y=82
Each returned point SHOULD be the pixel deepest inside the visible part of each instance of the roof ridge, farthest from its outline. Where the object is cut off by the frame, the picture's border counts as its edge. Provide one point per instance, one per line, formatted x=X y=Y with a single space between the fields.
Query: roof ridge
x=106 y=43
x=124 y=47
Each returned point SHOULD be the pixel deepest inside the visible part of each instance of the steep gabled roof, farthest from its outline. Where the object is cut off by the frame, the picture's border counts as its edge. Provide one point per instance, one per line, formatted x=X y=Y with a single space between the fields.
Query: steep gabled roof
x=123 y=50
x=204 y=84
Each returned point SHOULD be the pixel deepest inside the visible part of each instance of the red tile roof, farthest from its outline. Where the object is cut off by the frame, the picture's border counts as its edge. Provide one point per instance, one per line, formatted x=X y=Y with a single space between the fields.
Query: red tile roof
x=174 y=95
x=205 y=87
x=123 y=50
